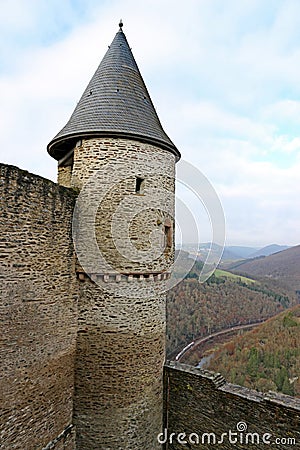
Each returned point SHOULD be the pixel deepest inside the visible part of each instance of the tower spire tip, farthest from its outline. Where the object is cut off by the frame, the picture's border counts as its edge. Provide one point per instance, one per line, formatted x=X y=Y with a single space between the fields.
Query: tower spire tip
x=121 y=24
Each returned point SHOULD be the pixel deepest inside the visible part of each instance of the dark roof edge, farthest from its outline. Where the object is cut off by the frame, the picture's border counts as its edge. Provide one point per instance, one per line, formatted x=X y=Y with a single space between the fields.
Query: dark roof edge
x=56 y=153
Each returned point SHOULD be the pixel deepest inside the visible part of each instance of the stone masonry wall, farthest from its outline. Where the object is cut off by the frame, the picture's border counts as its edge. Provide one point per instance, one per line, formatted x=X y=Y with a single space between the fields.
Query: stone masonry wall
x=121 y=338
x=107 y=168
x=119 y=365
x=38 y=311
x=199 y=402
x=119 y=354
x=64 y=175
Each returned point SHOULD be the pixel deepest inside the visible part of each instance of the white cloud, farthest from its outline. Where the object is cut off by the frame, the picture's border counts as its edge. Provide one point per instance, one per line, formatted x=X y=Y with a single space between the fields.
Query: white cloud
x=209 y=118
x=224 y=79
x=283 y=110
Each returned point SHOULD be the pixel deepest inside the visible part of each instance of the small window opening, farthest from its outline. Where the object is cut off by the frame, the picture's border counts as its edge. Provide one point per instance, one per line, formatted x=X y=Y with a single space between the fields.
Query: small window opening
x=139 y=185
x=168 y=235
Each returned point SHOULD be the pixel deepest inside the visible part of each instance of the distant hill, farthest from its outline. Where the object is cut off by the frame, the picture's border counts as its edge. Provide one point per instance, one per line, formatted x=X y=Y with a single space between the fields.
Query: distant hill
x=242 y=251
x=268 y=250
x=231 y=252
x=266 y=358
x=203 y=249
x=283 y=267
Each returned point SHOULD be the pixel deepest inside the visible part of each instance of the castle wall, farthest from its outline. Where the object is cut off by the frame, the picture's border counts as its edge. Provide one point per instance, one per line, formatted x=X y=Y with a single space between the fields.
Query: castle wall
x=64 y=175
x=199 y=402
x=38 y=312
x=119 y=354
x=121 y=336
x=107 y=169
x=119 y=362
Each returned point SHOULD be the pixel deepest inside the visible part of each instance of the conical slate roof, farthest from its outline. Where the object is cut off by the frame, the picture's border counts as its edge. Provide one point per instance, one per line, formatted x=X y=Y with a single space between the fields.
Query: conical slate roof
x=116 y=103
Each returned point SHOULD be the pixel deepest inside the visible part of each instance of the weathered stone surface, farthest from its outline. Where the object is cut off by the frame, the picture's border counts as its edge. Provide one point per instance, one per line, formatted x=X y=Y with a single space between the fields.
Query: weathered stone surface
x=37 y=310
x=60 y=333
x=107 y=168
x=118 y=372
x=64 y=176
x=199 y=401
x=121 y=335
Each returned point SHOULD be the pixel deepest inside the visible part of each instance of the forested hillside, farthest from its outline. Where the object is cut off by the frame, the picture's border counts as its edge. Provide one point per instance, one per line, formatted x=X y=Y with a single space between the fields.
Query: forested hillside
x=283 y=266
x=266 y=358
x=195 y=309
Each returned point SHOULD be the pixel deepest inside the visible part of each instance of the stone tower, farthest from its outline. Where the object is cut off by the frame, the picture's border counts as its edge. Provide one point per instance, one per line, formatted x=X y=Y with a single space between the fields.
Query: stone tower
x=115 y=153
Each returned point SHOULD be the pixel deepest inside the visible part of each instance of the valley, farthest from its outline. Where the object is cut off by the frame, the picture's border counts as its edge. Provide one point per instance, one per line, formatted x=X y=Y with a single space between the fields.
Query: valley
x=217 y=315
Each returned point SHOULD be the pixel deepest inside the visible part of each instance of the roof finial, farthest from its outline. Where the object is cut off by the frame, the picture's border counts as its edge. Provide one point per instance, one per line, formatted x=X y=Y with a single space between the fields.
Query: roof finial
x=121 y=24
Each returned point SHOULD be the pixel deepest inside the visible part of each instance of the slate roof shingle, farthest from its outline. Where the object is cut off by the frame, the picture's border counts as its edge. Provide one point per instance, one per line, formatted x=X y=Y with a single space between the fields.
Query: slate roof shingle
x=116 y=103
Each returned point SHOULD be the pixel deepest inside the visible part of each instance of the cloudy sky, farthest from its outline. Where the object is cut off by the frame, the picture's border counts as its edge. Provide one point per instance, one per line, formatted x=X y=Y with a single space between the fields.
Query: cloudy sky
x=224 y=77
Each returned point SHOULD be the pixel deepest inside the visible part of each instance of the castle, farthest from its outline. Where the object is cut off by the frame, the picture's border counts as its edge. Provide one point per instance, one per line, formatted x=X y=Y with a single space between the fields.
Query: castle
x=85 y=265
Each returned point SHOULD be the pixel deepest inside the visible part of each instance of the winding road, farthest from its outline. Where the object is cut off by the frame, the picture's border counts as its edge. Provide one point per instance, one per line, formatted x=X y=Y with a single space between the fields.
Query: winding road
x=194 y=344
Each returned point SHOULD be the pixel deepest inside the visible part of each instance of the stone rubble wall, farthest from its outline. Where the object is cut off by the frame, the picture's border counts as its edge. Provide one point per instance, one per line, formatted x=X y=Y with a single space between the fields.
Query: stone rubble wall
x=198 y=401
x=121 y=337
x=38 y=311
x=121 y=161
x=64 y=176
x=118 y=371
x=119 y=352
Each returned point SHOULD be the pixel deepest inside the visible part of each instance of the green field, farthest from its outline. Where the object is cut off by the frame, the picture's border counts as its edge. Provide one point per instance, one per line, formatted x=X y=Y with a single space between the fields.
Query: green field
x=223 y=273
